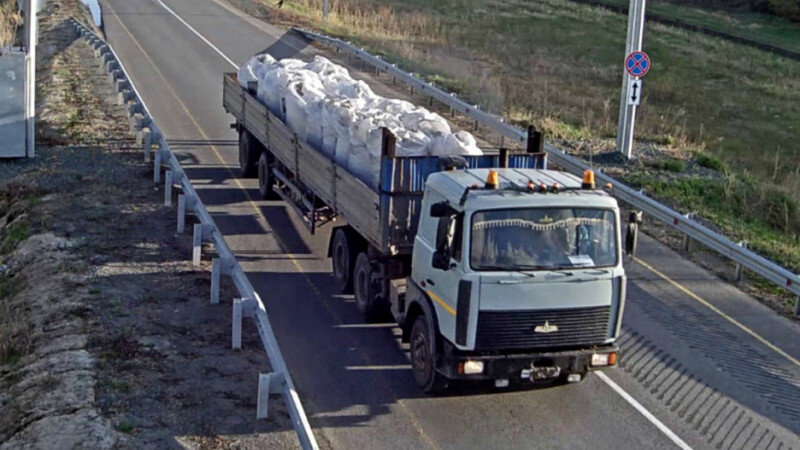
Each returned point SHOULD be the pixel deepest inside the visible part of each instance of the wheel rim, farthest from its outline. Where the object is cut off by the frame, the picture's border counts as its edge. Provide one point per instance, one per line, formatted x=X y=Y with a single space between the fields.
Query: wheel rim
x=419 y=356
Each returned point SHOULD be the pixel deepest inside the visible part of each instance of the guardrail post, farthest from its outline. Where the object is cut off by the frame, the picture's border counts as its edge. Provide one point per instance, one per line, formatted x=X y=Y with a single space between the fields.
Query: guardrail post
x=168 y=188
x=738 y=277
x=686 y=240
x=157 y=168
x=236 y=324
x=147 y=139
x=181 y=213
x=268 y=383
x=797 y=306
x=216 y=272
x=197 y=243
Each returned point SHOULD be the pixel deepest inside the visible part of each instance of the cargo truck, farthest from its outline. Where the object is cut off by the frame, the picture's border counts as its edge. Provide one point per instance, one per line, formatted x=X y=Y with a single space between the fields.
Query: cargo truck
x=494 y=267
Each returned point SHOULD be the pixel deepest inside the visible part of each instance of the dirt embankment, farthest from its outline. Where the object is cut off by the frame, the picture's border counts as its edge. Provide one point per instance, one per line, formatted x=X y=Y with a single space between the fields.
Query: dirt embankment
x=106 y=335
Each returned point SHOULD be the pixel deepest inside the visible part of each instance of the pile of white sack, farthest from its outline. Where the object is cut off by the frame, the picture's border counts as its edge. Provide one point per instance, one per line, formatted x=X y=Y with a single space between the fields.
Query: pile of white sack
x=343 y=118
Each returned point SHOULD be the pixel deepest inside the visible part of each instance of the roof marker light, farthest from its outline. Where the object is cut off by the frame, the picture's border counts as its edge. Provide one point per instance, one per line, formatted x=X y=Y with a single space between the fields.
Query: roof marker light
x=588 y=180
x=492 y=180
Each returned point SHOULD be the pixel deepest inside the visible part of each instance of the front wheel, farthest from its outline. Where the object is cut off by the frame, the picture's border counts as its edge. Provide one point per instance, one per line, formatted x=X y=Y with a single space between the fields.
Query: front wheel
x=423 y=356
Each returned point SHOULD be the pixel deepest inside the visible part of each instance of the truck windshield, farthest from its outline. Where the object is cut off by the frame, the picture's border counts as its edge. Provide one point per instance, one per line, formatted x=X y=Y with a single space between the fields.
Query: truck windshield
x=543 y=239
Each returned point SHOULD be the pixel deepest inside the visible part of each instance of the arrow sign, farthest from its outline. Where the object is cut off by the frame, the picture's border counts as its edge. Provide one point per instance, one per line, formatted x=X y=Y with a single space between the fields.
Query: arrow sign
x=635 y=93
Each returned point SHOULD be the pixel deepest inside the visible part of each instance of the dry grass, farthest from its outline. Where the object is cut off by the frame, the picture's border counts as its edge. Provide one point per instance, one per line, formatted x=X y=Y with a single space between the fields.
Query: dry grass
x=10 y=21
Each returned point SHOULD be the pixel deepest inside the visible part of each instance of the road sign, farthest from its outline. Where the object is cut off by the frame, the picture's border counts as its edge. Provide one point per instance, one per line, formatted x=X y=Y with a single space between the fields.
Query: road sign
x=635 y=93
x=637 y=64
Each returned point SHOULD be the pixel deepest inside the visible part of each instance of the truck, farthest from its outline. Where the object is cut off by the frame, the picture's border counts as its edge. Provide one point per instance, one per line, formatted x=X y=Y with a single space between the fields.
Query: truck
x=494 y=267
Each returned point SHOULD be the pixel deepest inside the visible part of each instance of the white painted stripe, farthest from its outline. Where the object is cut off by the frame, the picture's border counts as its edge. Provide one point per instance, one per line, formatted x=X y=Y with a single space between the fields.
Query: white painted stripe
x=643 y=411
x=632 y=401
x=203 y=38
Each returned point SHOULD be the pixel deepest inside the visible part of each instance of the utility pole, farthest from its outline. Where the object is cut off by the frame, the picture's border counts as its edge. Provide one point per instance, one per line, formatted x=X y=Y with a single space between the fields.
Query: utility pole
x=627 y=107
x=31 y=30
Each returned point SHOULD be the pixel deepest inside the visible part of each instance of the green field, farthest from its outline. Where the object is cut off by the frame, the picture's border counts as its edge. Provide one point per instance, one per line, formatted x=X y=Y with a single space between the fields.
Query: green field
x=765 y=28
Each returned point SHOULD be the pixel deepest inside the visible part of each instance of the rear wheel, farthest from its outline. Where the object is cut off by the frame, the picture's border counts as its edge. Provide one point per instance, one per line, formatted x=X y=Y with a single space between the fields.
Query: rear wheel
x=266 y=179
x=364 y=289
x=423 y=356
x=249 y=152
x=343 y=254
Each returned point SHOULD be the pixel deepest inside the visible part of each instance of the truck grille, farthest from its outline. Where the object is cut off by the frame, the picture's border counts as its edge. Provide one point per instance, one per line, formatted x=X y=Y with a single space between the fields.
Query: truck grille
x=500 y=330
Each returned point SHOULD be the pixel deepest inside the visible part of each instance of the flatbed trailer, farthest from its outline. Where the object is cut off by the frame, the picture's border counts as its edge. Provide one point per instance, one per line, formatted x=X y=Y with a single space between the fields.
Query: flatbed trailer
x=322 y=190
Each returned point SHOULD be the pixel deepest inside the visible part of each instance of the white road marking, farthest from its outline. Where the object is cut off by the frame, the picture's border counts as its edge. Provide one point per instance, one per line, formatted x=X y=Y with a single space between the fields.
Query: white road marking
x=647 y=415
x=203 y=38
x=627 y=397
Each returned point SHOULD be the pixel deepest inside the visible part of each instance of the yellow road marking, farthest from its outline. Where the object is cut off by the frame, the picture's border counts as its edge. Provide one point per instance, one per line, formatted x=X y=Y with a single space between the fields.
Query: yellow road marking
x=415 y=423
x=718 y=311
x=444 y=305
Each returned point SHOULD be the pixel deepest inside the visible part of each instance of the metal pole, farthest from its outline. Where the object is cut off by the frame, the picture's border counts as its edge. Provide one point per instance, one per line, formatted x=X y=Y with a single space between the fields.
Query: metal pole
x=627 y=113
x=30 y=81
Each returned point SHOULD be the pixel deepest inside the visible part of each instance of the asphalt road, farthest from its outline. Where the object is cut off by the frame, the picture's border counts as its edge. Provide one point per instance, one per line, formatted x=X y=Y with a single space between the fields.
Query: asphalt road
x=715 y=367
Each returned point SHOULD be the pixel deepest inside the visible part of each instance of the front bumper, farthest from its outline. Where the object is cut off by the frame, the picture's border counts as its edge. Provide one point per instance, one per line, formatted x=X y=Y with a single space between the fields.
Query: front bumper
x=528 y=366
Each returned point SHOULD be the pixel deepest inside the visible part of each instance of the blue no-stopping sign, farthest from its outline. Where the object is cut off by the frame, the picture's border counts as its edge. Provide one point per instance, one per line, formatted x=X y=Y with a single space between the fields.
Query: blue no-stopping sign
x=637 y=64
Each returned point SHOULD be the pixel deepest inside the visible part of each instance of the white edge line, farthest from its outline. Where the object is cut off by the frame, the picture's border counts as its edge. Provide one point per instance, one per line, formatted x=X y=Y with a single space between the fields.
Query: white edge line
x=632 y=401
x=203 y=38
x=643 y=411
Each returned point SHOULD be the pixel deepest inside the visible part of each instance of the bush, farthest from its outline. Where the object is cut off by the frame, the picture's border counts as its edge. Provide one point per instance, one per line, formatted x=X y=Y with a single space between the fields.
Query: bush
x=709 y=162
x=673 y=165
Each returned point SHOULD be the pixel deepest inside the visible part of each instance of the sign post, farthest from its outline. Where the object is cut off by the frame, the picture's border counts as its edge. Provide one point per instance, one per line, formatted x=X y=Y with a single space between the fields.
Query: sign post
x=31 y=28
x=636 y=65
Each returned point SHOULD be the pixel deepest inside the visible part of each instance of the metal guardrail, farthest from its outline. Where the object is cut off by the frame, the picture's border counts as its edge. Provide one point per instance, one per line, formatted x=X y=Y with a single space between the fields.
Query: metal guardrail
x=249 y=305
x=778 y=275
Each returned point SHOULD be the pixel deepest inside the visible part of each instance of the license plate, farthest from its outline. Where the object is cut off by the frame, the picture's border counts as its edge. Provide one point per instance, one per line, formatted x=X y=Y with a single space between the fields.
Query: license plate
x=541 y=373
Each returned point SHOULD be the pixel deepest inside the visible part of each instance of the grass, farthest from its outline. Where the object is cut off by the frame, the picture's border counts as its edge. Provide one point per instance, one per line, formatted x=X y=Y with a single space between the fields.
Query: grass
x=10 y=20
x=760 y=27
x=743 y=210
x=14 y=334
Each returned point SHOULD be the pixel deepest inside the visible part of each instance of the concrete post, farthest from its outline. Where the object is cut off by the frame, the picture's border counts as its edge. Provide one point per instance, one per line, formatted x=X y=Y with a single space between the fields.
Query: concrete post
x=236 y=324
x=181 y=213
x=738 y=276
x=168 y=188
x=216 y=272
x=197 y=243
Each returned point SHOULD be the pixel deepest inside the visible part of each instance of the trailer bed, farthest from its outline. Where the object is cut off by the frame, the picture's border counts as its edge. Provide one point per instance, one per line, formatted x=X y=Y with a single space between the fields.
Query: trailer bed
x=386 y=218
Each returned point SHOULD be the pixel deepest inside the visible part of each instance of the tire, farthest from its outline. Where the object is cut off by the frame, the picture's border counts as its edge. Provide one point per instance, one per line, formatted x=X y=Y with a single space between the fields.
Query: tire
x=423 y=356
x=364 y=289
x=266 y=179
x=343 y=255
x=249 y=152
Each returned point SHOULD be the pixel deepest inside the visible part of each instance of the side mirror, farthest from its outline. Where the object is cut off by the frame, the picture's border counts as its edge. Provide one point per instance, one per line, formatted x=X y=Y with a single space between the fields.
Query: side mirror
x=442 y=209
x=632 y=235
x=440 y=260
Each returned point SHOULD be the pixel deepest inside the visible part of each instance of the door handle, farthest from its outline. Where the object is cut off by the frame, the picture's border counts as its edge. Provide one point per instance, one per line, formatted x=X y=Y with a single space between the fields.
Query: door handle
x=429 y=281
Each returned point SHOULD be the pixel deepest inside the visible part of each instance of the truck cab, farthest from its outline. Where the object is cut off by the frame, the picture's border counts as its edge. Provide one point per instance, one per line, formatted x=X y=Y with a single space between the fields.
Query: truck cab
x=516 y=276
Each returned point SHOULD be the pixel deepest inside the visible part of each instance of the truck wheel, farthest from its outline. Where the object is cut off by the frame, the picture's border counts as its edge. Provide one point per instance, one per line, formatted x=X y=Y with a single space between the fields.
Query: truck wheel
x=367 y=302
x=423 y=356
x=249 y=152
x=265 y=177
x=343 y=253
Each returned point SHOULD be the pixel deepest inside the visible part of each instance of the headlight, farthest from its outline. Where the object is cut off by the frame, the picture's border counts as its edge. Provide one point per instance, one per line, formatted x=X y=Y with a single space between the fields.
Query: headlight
x=604 y=359
x=470 y=367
